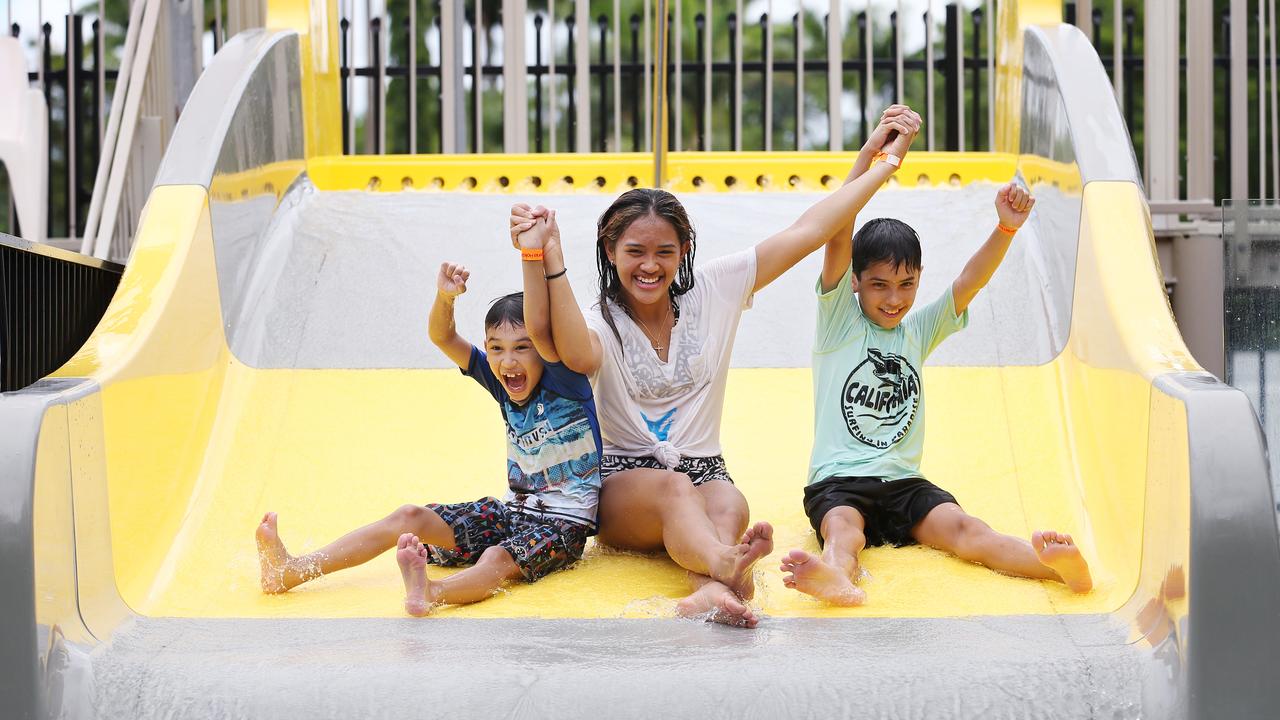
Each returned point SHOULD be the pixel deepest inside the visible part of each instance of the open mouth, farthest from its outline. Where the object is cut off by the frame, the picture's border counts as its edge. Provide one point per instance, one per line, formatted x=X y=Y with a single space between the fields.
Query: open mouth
x=647 y=282
x=891 y=313
x=515 y=381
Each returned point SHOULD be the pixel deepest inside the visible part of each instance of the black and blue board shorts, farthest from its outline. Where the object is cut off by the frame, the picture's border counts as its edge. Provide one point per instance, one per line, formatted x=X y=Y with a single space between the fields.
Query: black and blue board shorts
x=539 y=545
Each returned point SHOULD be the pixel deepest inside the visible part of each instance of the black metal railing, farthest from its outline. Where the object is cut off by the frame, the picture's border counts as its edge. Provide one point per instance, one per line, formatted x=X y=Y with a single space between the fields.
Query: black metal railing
x=50 y=302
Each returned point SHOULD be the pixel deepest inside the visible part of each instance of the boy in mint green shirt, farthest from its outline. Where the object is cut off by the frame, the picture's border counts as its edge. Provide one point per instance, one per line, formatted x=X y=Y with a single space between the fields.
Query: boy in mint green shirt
x=864 y=486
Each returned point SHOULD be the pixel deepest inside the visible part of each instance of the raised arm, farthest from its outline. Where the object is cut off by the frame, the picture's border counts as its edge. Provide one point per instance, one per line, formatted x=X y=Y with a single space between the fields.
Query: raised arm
x=839 y=247
x=836 y=212
x=1013 y=205
x=537 y=317
x=450 y=283
x=576 y=346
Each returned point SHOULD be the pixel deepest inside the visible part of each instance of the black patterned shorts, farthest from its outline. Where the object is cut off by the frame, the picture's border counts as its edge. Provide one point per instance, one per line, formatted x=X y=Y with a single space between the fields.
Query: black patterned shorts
x=538 y=545
x=699 y=470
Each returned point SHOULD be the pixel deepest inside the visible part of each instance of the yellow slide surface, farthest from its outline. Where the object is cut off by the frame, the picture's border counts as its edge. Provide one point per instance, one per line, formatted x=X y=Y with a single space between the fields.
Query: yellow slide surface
x=1060 y=445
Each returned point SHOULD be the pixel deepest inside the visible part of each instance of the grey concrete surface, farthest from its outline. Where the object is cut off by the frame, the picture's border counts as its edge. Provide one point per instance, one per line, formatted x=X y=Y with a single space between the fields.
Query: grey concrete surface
x=985 y=667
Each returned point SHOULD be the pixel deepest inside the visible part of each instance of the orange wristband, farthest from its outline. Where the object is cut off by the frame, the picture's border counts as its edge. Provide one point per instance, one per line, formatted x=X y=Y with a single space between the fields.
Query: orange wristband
x=531 y=254
x=1006 y=229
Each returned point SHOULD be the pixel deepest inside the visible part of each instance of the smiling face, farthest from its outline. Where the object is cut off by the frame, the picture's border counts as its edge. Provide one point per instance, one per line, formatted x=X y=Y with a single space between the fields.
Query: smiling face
x=647 y=257
x=513 y=359
x=886 y=292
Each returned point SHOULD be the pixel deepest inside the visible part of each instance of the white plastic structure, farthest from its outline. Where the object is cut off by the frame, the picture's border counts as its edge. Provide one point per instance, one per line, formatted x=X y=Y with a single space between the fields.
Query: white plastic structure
x=24 y=141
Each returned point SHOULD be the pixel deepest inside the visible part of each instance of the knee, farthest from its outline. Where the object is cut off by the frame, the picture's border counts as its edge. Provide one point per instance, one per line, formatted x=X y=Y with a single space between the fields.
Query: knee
x=969 y=538
x=678 y=485
x=838 y=529
x=407 y=517
x=495 y=556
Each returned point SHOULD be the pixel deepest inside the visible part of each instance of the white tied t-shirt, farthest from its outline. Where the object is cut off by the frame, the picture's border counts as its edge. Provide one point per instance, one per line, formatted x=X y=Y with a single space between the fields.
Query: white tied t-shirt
x=672 y=410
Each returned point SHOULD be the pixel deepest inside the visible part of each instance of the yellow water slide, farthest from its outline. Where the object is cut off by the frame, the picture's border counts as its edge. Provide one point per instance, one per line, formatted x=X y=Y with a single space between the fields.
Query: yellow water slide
x=266 y=350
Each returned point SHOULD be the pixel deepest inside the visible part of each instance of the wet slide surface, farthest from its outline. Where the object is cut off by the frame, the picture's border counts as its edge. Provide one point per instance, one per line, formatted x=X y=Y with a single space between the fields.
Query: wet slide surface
x=337 y=409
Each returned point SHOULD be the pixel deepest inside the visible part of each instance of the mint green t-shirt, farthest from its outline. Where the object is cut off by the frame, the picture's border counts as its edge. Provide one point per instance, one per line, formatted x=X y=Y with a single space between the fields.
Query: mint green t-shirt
x=868 y=387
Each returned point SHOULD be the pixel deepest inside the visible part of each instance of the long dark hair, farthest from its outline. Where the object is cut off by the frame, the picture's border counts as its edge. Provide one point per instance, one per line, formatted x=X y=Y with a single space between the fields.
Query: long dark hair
x=629 y=207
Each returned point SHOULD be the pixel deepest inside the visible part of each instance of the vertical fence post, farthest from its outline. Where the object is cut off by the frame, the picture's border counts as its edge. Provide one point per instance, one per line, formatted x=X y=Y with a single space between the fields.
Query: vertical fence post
x=380 y=88
x=708 y=20
x=46 y=67
x=479 y=40
x=737 y=76
x=453 y=114
x=602 y=24
x=835 y=77
x=100 y=70
x=678 y=95
x=955 y=80
x=1084 y=17
x=1117 y=48
x=869 y=106
x=515 y=80
x=700 y=42
x=975 y=19
x=1274 y=100
x=741 y=20
x=570 y=27
x=991 y=76
x=767 y=21
x=1200 y=99
x=898 y=19
x=659 y=122
x=71 y=63
x=1160 y=125
x=582 y=77
x=617 y=76
x=413 y=76
x=552 y=87
x=928 y=77
x=637 y=124
x=648 y=74
x=798 y=21
x=537 y=82
x=344 y=25
x=1239 y=101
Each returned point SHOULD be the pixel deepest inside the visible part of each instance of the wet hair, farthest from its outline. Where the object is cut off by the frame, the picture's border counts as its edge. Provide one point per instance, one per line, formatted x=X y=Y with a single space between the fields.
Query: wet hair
x=506 y=310
x=629 y=207
x=886 y=240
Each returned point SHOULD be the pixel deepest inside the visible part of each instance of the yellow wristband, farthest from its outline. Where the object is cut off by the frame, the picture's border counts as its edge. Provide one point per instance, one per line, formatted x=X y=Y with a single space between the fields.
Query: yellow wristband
x=531 y=254
x=1006 y=229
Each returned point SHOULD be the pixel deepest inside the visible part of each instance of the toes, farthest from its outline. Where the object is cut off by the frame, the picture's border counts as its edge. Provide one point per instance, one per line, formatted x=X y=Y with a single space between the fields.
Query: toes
x=798 y=557
x=403 y=542
x=1038 y=540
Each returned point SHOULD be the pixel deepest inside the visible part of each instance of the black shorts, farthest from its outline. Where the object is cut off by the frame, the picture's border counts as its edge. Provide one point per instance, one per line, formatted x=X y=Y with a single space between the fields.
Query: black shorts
x=699 y=469
x=890 y=508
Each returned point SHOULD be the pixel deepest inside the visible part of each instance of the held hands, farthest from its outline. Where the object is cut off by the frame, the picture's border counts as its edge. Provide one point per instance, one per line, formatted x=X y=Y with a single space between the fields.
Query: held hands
x=1013 y=205
x=897 y=129
x=452 y=280
x=533 y=227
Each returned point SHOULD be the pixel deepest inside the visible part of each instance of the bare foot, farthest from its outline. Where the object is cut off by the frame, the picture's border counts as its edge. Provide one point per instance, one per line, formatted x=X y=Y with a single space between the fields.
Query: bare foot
x=420 y=594
x=1058 y=552
x=811 y=576
x=756 y=542
x=718 y=604
x=273 y=559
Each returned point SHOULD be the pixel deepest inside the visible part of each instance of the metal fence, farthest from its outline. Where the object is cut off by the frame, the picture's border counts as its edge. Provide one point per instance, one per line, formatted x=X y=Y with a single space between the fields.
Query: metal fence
x=50 y=300
x=740 y=78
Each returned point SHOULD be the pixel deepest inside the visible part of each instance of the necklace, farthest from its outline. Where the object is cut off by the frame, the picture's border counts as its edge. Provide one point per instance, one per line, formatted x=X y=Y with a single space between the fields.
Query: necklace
x=653 y=340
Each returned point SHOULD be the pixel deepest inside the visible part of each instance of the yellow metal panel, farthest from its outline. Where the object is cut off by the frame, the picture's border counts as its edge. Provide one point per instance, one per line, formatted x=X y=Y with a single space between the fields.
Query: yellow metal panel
x=617 y=172
x=1013 y=16
x=271 y=179
x=316 y=22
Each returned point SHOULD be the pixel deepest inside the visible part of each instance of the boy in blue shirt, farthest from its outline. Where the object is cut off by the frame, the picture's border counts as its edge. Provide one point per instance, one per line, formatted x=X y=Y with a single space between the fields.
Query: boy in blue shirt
x=553 y=470
x=864 y=485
